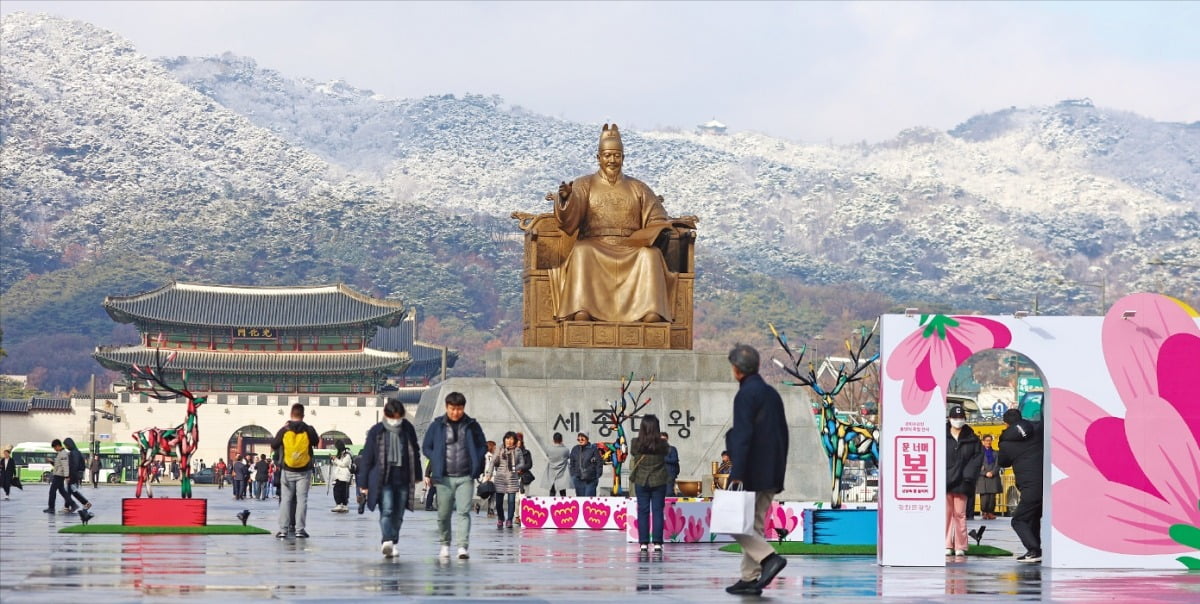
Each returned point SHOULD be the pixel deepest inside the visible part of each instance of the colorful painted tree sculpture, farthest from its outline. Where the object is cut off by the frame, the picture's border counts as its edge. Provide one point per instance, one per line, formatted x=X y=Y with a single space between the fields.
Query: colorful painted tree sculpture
x=182 y=439
x=616 y=451
x=843 y=440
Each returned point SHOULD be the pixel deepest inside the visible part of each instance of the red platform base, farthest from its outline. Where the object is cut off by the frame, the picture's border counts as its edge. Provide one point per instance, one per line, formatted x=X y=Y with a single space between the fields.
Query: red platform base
x=164 y=512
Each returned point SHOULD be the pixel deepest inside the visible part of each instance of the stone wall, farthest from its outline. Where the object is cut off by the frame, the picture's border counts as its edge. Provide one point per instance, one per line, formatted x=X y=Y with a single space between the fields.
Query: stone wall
x=540 y=391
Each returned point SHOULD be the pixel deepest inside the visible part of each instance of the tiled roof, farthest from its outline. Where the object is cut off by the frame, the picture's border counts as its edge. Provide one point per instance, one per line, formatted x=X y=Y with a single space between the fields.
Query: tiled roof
x=273 y=307
x=119 y=358
x=14 y=405
x=49 y=404
x=426 y=358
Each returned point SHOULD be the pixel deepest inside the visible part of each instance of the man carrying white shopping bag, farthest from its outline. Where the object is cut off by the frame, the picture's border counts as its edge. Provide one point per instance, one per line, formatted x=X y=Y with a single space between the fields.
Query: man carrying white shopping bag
x=758 y=446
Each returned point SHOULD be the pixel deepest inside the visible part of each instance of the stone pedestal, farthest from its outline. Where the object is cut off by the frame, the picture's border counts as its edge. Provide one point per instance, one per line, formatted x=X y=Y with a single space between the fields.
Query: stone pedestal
x=540 y=391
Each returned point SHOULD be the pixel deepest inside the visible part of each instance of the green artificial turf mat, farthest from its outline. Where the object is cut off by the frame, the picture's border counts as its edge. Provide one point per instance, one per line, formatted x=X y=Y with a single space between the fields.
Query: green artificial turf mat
x=799 y=548
x=211 y=529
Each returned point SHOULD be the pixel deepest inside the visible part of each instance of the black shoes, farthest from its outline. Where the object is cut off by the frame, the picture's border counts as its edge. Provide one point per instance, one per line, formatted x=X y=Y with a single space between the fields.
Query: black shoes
x=771 y=565
x=1031 y=557
x=302 y=534
x=744 y=588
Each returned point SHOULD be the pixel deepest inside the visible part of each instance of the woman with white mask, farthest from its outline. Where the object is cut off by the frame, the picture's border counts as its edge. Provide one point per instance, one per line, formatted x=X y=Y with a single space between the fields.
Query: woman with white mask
x=390 y=466
x=964 y=456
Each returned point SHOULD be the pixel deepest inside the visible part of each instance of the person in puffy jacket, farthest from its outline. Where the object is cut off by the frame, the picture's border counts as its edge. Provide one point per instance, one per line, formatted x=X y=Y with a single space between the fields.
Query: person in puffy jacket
x=507 y=465
x=340 y=475
x=963 y=459
x=1021 y=448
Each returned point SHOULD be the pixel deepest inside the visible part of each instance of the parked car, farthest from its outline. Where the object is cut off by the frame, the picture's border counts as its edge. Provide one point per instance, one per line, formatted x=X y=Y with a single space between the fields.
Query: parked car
x=204 y=476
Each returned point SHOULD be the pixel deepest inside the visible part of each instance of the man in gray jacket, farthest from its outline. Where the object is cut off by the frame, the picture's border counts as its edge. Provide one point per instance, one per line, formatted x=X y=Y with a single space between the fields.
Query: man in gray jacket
x=454 y=445
x=59 y=476
x=557 y=458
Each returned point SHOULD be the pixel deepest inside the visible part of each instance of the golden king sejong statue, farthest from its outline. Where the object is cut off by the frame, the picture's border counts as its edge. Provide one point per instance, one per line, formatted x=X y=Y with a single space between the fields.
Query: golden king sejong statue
x=612 y=273
x=596 y=275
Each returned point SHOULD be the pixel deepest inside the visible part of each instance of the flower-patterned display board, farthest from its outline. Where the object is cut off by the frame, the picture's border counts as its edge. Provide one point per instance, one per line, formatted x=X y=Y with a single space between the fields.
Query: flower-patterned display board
x=1122 y=431
x=586 y=513
x=687 y=521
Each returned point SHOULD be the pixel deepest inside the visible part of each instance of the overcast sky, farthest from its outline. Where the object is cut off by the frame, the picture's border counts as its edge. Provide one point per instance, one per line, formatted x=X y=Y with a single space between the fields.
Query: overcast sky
x=806 y=71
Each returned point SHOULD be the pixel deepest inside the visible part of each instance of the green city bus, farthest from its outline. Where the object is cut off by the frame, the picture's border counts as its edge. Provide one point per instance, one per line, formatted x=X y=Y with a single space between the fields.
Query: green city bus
x=35 y=461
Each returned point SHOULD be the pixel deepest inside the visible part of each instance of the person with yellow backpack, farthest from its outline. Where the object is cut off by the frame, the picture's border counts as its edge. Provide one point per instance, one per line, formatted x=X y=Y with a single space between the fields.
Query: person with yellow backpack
x=294 y=444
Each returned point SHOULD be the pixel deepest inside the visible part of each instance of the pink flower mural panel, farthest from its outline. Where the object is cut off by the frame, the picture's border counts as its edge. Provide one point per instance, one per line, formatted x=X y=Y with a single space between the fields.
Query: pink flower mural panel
x=1138 y=474
x=927 y=358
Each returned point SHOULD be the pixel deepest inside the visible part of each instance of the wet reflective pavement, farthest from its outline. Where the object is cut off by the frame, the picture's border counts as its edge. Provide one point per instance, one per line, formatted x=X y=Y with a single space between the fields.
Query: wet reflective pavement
x=341 y=562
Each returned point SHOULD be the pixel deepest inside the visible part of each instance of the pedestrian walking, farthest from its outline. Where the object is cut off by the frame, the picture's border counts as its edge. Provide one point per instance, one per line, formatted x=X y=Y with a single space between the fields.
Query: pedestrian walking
x=8 y=472
x=454 y=445
x=486 y=477
x=94 y=470
x=558 y=458
x=340 y=475
x=989 y=482
x=389 y=469
x=240 y=474
x=963 y=460
x=262 y=471
x=672 y=462
x=219 y=469
x=59 y=475
x=507 y=465
x=758 y=445
x=1021 y=445
x=294 y=443
x=585 y=466
x=649 y=477
x=78 y=466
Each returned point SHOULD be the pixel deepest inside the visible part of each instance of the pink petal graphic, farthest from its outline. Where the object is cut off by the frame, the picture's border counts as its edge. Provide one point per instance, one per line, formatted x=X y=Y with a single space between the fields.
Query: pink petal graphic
x=1072 y=416
x=1167 y=452
x=1131 y=345
x=1110 y=452
x=1179 y=378
x=924 y=364
x=1116 y=519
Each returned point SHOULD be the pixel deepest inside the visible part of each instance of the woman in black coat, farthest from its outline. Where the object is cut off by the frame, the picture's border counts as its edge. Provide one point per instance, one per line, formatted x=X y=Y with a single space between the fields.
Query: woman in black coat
x=964 y=455
x=389 y=467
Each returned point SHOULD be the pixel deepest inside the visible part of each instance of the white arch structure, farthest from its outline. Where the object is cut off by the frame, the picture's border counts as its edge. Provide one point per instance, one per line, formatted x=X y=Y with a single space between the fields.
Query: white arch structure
x=1122 y=431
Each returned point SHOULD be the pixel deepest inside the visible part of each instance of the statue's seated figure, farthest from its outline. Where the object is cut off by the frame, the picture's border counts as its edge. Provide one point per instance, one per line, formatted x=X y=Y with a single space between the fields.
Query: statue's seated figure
x=609 y=254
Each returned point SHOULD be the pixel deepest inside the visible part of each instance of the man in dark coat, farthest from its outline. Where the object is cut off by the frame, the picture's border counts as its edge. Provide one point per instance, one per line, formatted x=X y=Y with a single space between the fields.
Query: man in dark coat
x=78 y=466
x=758 y=444
x=1021 y=449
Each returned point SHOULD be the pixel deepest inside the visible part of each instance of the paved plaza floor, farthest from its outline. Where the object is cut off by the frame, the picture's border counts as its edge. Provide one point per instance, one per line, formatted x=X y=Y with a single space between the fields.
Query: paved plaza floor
x=341 y=562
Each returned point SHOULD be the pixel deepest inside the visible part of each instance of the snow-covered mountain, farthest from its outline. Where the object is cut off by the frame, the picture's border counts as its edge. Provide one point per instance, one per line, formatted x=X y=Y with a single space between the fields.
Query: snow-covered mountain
x=227 y=172
x=1003 y=201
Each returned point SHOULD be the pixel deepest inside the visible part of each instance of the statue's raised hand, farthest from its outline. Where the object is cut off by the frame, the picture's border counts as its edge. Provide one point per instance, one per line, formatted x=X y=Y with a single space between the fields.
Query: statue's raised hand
x=564 y=193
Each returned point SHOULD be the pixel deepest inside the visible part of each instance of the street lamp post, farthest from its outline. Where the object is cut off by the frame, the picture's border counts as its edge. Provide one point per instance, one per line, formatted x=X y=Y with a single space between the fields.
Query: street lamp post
x=1159 y=262
x=1101 y=285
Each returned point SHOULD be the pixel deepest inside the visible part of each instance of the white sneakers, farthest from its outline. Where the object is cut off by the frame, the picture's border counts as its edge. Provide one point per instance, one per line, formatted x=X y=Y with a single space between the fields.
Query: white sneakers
x=340 y=508
x=387 y=549
x=445 y=553
x=462 y=553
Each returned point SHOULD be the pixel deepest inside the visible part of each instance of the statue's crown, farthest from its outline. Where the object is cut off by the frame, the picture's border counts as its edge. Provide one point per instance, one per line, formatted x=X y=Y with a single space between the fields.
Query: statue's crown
x=611 y=135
